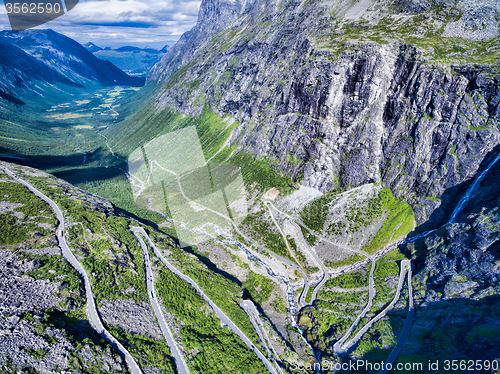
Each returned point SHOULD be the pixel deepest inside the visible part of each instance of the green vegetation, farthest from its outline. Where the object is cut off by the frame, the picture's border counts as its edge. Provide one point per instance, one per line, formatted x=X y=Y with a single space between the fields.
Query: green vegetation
x=356 y=279
x=380 y=337
x=278 y=304
x=263 y=232
x=387 y=269
x=309 y=293
x=365 y=213
x=323 y=324
x=421 y=31
x=314 y=214
x=258 y=286
x=213 y=131
x=33 y=211
x=336 y=228
x=92 y=234
x=37 y=354
x=146 y=350
x=353 y=258
x=225 y=293
x=210 y=348
x=97 y=235
x=356 y=298
x=398 y=222
x=259 y=174
x=309 y=238
x=12 y=231
x=77 y=330
x=56 y=268
x=299 y=255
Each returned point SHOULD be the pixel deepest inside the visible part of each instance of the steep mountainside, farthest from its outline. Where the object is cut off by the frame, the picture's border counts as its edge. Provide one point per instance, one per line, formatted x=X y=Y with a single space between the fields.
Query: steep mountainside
x=339 y=95
x=362 y=135
x=342 y=94
x=12 y=58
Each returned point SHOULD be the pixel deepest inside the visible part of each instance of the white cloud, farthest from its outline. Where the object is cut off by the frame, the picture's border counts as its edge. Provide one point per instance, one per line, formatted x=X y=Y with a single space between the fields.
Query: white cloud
x=123 y=22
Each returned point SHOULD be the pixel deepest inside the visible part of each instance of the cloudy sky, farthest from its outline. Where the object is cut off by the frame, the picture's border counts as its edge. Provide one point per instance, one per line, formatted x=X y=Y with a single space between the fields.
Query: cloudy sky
x=114 y=23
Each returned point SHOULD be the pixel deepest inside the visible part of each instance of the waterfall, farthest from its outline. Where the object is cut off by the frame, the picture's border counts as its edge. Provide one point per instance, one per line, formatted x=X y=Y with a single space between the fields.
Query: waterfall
x=465 y=199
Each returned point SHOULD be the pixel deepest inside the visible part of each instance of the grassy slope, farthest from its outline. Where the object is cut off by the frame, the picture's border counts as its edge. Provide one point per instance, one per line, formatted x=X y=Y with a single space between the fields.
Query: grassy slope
x=398 y=219
x=423 y=30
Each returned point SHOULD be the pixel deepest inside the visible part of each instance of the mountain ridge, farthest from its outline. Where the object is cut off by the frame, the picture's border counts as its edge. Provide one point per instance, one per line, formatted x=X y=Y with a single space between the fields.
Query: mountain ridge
x=58 y=58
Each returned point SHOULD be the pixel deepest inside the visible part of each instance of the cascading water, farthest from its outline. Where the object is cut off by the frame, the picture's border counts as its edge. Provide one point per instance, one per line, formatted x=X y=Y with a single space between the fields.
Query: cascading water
x=458 y=208
x=285 y=280
x=290 y=289
x=464 y=200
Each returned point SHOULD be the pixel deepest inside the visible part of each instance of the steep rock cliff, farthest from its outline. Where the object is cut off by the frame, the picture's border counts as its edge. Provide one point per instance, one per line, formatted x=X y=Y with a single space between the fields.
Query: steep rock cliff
x=335 y=96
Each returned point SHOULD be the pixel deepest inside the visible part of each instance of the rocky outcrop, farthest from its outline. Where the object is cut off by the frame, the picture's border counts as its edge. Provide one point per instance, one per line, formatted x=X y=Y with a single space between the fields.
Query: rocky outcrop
x=138 y=318
x=33 y=332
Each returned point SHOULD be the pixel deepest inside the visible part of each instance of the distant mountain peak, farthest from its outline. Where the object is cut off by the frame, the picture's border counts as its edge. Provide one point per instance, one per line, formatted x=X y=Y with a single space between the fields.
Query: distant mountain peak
x=52 y=57
x=91 y=47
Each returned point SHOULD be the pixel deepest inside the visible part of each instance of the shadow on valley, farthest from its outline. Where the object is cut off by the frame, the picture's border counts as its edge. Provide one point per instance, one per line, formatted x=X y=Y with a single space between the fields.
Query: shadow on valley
x=458 y=329
x=206 y=260
x=78 y=330
x=10 y=98
x=109 y=183
x=71 y=168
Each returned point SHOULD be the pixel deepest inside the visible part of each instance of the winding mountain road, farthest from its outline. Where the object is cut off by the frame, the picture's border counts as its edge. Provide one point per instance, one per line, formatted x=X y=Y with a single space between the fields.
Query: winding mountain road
x=250 y=309
x=182 y=367
x=338 y=346
x=313 y=253
x=303 y=295
x=225 y=320
x=406 y=327
x=91 y=309
x=405 y=267
x=281 y=258
x=304 y=276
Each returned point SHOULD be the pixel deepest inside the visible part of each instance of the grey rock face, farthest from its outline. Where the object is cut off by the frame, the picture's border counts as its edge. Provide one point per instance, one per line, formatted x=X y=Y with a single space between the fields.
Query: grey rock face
x=373 y=113
x=24 y=342
x=131 y=316
x=479 y=20
x=19 y=293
